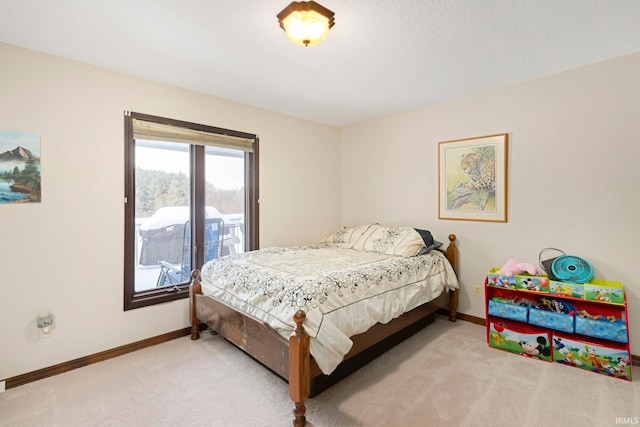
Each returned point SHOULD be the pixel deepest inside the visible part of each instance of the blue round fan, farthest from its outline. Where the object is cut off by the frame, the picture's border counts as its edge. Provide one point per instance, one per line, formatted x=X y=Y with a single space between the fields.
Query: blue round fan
x=572 y=269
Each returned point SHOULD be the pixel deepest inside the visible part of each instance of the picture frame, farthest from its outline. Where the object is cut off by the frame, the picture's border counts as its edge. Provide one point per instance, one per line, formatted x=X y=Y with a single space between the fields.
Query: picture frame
x=472 y=178
x=19 y=167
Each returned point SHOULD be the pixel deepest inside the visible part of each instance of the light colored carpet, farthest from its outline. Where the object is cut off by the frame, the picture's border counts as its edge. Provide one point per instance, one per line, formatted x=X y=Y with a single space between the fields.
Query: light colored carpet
x=444 y=375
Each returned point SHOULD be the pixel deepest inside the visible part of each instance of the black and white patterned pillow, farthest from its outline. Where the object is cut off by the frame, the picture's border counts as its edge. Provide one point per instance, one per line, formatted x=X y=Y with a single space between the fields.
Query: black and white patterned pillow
x=400 y=241
x=347 y=235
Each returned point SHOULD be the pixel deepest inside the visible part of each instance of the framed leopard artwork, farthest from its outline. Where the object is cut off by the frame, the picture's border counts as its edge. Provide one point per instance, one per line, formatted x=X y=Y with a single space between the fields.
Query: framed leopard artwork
x=472 y=178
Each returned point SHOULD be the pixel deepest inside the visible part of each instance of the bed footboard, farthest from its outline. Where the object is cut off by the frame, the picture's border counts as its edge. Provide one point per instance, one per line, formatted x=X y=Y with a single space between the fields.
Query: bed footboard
x=194 y=288
x=299 y=369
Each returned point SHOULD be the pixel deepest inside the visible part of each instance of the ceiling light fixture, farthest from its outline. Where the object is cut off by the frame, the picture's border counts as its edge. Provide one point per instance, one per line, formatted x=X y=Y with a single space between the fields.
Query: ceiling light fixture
x=306 y=22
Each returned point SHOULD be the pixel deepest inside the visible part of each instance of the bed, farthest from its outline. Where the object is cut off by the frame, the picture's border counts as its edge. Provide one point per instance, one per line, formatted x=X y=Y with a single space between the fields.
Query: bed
x=314 y=314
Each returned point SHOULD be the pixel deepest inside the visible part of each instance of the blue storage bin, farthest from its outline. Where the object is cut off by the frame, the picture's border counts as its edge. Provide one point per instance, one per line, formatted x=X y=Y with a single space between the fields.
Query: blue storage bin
x=508 y=311
x=602 y=328
x=551 y=319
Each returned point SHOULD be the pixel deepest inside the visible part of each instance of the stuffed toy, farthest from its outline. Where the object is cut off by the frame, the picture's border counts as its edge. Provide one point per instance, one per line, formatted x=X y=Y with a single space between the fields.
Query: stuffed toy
x=513 y=266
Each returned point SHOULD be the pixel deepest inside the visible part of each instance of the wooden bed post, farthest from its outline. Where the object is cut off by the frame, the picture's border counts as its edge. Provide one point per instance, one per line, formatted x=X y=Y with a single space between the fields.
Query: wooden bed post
x=453 y=305
x=299 y=369
x=452 y=256
x=194 y=288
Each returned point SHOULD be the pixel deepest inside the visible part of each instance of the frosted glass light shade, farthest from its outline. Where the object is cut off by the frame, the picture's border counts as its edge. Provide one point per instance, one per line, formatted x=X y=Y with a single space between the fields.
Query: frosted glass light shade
x=306 y=23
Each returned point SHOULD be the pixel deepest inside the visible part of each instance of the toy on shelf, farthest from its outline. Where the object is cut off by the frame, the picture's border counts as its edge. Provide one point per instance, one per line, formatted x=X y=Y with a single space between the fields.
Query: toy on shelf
x=556 y=305
x=513 y=267
x=585 y=313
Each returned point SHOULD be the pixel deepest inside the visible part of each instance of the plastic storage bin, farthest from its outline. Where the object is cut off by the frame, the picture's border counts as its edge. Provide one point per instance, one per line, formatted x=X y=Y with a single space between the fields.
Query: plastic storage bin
x=508 y=311
x=551 y=319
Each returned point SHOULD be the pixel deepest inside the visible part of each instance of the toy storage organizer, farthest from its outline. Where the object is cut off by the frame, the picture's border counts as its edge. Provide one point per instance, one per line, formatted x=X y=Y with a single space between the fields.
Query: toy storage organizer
x=584 y=326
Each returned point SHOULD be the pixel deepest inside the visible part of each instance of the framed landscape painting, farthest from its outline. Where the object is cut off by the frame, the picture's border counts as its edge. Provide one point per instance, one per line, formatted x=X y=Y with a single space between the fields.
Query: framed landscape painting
x=472 y=178
x=19 y=167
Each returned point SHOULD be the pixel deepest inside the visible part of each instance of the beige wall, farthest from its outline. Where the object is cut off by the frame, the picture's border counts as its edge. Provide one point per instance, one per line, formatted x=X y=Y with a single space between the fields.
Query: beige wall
x=578 y=130
x=573 y=174
x=66 y=253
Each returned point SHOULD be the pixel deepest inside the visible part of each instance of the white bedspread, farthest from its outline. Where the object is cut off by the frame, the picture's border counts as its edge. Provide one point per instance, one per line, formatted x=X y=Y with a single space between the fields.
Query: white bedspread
x=343 y=291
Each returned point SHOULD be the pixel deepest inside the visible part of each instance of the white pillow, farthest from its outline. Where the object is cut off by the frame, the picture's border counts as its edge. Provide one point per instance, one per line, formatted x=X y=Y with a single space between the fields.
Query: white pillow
x=346 y=234
x=400 y=241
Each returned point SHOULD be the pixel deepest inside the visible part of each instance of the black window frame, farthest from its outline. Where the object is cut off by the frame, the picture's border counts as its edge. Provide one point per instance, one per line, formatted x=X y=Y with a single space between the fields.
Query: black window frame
x=133 y=299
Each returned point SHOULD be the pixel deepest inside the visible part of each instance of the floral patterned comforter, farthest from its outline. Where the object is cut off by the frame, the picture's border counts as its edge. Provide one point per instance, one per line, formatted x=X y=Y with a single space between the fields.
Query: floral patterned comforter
x=343 y=291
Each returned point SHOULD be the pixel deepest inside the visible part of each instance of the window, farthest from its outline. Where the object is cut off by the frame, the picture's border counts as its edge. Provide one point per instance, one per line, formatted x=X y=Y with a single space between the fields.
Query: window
x=191 y=195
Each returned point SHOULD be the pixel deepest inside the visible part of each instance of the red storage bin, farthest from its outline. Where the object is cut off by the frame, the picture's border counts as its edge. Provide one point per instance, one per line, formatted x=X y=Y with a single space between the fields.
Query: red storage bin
x=519 y=338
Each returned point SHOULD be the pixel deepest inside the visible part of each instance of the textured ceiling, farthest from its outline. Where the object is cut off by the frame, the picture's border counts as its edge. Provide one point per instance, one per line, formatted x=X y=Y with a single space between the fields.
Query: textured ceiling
x=381 y=57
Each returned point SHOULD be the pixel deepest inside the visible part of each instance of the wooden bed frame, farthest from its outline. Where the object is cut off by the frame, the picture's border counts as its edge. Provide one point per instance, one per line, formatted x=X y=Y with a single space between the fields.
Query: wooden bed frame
x=291 y=359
